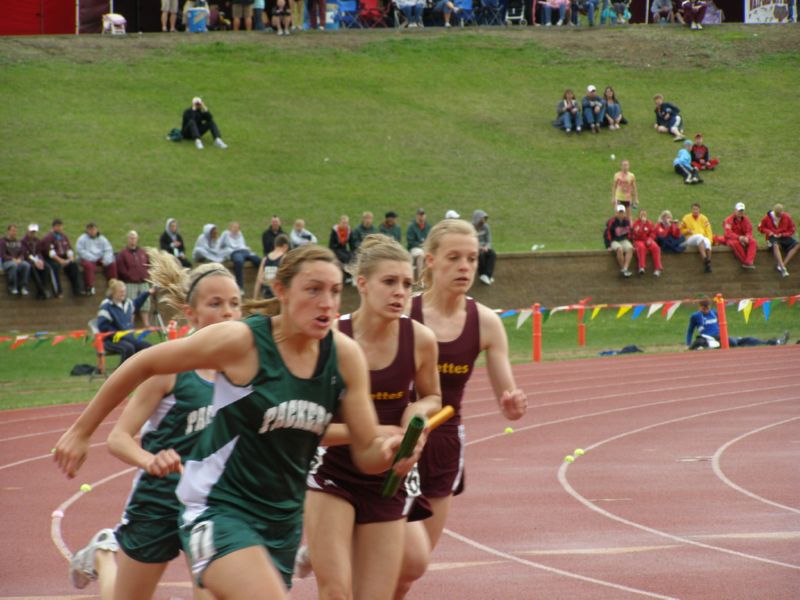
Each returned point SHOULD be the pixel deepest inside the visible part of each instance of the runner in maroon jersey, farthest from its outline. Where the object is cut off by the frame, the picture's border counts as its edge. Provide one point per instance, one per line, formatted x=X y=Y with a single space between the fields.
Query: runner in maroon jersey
x=463 y=329
x=347 y=521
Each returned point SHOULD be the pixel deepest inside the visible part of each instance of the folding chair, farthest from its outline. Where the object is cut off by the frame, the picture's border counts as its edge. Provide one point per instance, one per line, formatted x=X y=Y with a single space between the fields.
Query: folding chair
x=101 y=370
x=372 y=14
x=114 y=24
x=491 y=13
x=466 y=12
x=515 y=12
x=348 y=14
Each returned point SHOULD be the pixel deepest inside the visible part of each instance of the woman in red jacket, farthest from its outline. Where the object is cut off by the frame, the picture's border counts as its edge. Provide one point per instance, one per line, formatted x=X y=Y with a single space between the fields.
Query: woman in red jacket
x=644 y=241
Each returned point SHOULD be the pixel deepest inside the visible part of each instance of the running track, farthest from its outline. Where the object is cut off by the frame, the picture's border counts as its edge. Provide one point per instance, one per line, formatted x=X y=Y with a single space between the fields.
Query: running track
x=689 y=487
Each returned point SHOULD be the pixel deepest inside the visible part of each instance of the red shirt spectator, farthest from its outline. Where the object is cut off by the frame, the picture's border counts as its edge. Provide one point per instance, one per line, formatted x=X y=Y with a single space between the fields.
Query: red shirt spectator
x=779 y=229
x=739 y=237
x=132 y=263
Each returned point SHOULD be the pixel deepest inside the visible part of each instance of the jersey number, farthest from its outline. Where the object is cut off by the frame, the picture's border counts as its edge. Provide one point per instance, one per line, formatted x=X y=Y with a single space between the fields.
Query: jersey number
x=201 y=542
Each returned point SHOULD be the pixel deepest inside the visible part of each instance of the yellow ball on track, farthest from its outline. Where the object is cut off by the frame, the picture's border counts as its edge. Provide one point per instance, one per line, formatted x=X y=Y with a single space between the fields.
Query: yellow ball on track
x=579 y=452
x=86 y=487
x=569 y=458
x=508 y=430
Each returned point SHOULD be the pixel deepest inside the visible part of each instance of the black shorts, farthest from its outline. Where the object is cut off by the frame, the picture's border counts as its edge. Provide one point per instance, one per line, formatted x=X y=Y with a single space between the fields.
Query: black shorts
x=785 y=243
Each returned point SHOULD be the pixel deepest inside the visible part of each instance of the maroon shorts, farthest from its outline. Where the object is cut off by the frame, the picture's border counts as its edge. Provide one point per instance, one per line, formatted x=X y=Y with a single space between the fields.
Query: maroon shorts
x=441 y=468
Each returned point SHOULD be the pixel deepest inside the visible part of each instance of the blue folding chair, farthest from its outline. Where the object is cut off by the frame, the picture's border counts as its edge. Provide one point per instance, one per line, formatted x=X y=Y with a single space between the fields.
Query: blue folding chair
x=491 y=13
x=466 y=12
x=348 y=15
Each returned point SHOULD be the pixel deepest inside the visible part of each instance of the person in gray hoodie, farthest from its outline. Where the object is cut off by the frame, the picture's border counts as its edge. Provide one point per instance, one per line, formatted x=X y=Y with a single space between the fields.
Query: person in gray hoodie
x=171 y=241
x=208 y=247
x=233 y=244
x=94 y=250
x=486 y=254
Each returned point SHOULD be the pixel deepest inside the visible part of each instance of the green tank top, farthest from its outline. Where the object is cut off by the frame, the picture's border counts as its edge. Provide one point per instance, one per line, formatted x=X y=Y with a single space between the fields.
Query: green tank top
x=254 y=458
x=176 y=423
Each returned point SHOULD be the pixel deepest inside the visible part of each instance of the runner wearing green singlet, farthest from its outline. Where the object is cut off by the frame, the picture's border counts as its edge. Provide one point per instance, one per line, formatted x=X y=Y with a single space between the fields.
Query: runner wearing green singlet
x=258 y=423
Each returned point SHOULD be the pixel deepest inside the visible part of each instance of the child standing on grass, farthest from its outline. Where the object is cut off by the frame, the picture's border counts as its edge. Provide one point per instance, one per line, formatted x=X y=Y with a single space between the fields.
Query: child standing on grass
x=624 y=190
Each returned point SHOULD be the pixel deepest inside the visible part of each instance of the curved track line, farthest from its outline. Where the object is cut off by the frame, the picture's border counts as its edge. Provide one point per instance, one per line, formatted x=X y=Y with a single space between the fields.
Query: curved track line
x=562 y=478
x=55 y=523
x=530 y=563
x=40 y=457
x=718 y=470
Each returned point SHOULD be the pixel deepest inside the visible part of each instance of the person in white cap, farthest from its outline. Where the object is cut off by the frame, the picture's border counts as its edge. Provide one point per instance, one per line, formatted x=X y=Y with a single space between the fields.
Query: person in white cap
x=739 y=236
x=592 y=109
x=451 y=214
x=196 y=121
x=618 y=240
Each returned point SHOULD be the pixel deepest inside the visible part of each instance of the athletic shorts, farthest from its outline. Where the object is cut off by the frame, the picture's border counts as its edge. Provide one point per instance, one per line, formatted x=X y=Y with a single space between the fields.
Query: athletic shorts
x=132 y=291
x=218 y=532
x=785 y=243
x=441 y=467
x=170 y=6
x=242 y=10
x=150 y=541
x=624 y=244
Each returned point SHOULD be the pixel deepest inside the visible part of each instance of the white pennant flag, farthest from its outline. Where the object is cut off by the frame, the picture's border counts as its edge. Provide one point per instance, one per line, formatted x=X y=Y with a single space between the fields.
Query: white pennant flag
x=523 y=316
x=654 y=308
x=672 y=310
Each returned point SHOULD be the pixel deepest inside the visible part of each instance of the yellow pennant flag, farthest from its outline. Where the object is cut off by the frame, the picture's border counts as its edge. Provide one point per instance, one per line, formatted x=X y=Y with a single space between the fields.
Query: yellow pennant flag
x=121 y=334
x=623 y=310
x=746 y=311
x=597 y=309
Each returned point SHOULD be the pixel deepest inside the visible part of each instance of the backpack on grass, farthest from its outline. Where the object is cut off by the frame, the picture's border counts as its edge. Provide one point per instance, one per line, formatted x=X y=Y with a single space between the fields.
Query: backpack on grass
x=175 y=135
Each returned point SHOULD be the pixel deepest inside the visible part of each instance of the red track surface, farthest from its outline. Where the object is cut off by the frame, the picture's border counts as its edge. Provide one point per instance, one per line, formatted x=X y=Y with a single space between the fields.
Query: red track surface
x=689 y=487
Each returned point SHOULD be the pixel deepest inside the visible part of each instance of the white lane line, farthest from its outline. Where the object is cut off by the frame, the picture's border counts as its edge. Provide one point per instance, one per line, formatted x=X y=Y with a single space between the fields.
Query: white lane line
x=55 y=522
x=719 y=473
x=39 y=418
x=38 y=433
x=562 y=478
x=536 y=565
x=627 y=408
x=40 y=457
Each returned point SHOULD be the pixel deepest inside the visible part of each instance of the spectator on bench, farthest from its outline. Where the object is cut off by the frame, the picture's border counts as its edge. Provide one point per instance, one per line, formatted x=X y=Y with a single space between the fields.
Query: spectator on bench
x=269 y=268
x=617 y=240
x=270 y=233
x=697 y=229
x=486 y=254
x=133 y=267
x=416 y=233
x=41 y=273
x=668 y=234
x=58 y=254
x=94 y=250
x=363 y=229
x=208 y=247
x=779 y=229
x=300 y=236
x=116 y=314
x=390 y=227
x=15 y=266
x=233 y=244
x=707 y=326
x=644 y=240
x=171 y=241
x=739 y=236
x=341 y=242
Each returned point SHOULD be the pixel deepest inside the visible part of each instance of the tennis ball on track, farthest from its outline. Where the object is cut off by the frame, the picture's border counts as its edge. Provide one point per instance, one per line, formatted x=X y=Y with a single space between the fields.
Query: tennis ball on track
x=579 y=452
x=508 y=430
x=569 y=458
x=85 y=487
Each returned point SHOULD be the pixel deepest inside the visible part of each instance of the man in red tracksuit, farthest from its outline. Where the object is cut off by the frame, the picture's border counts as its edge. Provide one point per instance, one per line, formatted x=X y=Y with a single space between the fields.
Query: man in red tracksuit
x=779 y=230
x=739 y=236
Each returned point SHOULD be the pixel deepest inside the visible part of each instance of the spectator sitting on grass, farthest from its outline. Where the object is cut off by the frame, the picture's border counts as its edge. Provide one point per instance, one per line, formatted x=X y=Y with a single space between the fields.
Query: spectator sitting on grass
x=390 y=227
x=682 y=164
x=612 y=110
x=94 y=250
x=624 y=190
x=133 y=268
x=779 y=229
x=208 y=247
x=668 y=234
x=233 y=244
x=300 y=236
x=693 y=13
x=569 y=114
x=363 y=229
x=196 y=121
x=269 y=268
x=592 y=109
x=707 y=326
x=41 y=273
x=662 y=11
x=697 y=229
x=15 y=266
x=269 y=235
x=116 y=314
x=617 y=240
x=58 y=254
x=486 y=254
x=739 y=236
x=643 y=233
x=701 y=157
x=416 y=233
x=668 y=118
x=172 y=242
x=341 y=242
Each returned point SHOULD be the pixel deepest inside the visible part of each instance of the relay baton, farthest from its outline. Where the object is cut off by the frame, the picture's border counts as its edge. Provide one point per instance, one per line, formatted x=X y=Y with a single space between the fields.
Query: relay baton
x=440 y=417
x=414 y=430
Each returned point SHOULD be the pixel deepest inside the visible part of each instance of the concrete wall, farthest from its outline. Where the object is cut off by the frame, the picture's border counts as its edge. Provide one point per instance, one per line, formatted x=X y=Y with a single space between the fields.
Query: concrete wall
x=552 y=279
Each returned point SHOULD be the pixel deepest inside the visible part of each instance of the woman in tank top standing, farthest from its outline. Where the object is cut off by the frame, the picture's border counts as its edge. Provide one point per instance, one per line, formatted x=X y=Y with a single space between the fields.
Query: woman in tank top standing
x=463 y=329
x=347 y=521
x=280 y=380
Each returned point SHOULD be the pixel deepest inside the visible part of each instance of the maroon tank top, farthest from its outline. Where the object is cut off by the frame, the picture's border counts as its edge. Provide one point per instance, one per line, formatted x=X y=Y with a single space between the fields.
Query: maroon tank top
x=456 y=357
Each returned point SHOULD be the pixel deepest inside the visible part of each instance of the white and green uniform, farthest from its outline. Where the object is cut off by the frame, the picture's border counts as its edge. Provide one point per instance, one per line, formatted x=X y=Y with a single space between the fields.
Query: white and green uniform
x=244 y=484
x=148 y=531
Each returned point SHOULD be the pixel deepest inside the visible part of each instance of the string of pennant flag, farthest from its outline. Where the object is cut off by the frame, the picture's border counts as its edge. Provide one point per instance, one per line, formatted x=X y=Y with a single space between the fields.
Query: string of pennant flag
x=53 y=338
x=667 y=308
